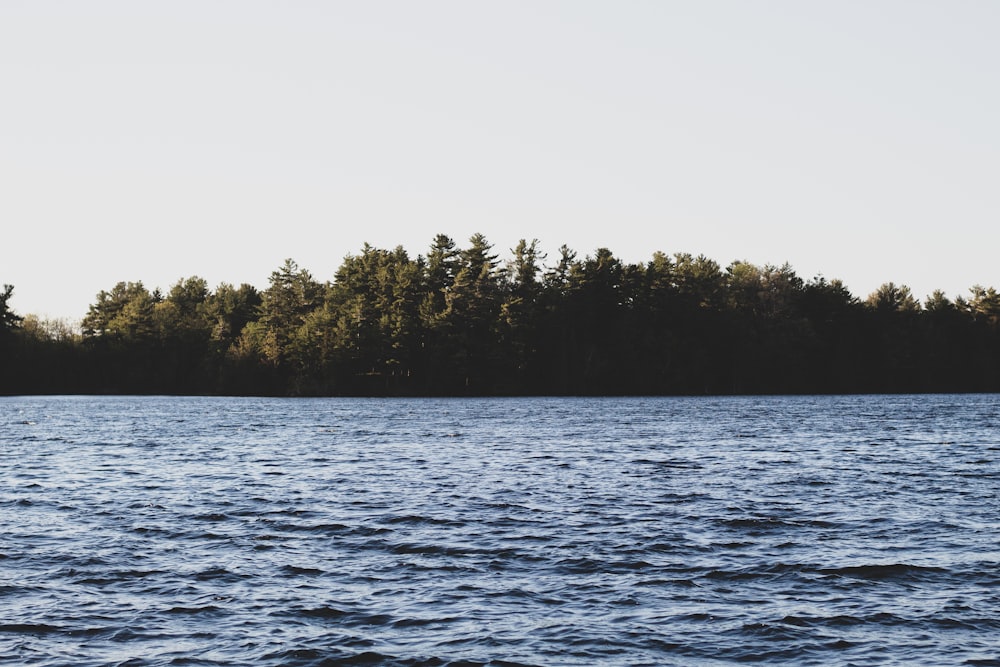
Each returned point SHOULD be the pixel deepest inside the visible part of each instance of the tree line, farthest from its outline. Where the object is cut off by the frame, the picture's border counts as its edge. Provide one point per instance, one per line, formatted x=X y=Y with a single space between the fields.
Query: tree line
x=458 y=321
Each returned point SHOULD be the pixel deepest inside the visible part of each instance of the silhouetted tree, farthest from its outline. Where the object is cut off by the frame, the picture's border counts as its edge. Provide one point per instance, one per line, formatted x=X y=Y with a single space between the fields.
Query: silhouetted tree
x=520 y=315
x=458 y=321
x=468 y=323
x=8 y=319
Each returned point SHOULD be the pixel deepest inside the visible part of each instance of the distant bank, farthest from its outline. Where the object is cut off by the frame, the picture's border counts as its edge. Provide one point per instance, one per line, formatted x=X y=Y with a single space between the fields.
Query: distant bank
x=457 y=321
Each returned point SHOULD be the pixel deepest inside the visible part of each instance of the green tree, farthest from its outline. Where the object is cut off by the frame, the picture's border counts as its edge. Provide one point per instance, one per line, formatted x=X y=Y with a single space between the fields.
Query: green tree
x=983 y=305
x=8 y=319
x=699 y=280
x=467 y=327
x=557 y=278
x=768 y=332
x=462 y=321
x=892 y=352
x=123 y=341
x=590 y=320
x=520 y=311
x=771 y=292
x=229 y=309
x=442 y=265
x=372 y=314
x=524 y=268
x=702 y=332
x=11 y=369
x=555 y=325
x=291 y=295
x=891 y=298
x=938 y=303
x=124 y=313
x=181 y=314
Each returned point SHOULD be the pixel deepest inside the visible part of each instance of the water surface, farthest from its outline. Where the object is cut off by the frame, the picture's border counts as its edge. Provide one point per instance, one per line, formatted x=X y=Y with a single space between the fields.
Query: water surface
x=635 y=531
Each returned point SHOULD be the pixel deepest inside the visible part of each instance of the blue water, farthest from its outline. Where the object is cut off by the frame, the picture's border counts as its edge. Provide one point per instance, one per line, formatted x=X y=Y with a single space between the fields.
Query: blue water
x=634 y=531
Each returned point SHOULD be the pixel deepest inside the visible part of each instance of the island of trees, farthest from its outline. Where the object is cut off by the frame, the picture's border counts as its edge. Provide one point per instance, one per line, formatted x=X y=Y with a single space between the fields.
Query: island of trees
x=458 y=321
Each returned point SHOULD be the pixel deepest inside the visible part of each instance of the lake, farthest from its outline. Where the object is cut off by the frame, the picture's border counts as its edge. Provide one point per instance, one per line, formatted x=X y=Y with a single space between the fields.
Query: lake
x=846 y=530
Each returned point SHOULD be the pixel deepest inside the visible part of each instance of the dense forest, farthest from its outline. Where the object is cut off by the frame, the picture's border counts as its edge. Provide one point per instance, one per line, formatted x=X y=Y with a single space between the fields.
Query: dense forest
x=458 y=321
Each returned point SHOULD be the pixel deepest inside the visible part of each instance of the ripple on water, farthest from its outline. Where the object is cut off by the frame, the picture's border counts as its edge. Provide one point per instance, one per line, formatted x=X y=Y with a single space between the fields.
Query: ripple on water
x=809 y=530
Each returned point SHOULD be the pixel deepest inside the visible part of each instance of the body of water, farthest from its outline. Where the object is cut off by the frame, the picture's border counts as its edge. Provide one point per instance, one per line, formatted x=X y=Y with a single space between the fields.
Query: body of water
x=860 y=530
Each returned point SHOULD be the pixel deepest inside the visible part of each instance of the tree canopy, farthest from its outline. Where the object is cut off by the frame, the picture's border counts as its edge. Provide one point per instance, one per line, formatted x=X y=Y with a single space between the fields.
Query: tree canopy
x=459 y=320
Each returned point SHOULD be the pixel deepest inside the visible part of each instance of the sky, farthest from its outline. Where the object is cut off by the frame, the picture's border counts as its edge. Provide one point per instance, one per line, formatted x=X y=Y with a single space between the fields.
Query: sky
x=154 y=141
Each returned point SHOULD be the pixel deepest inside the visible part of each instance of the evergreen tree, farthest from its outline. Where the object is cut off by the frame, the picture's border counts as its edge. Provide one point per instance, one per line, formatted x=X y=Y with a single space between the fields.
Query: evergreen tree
x=459 y=321
x=8 y=319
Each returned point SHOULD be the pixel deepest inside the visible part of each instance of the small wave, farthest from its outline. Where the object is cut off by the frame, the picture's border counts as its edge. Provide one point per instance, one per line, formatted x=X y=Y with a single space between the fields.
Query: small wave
x=300 y=657
x=343 y=617
x=127 y=635
x=206 y=609
x=30 y=628
x=219 y=574
x=155 y=531
x=770 y=571
x=208 y=535
x=884 y=572
x=317 y=528
x=322 y=612
x=91 y=633
x=774 y=631
x=418 y=519
x=669 y=463
x=658 y=582
x=435 y=550
x=422 y=622
x=299 y=571
x=97 y=579
x=841 y=620
x=753 y=524
x=594 y=566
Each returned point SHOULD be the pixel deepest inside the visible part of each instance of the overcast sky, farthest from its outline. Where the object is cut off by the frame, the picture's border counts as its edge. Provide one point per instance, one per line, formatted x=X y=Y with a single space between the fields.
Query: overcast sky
x=158 y=140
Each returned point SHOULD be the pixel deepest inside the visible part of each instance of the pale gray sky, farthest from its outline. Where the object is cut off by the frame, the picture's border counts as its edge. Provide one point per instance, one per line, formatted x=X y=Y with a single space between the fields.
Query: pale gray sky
x=158 y=140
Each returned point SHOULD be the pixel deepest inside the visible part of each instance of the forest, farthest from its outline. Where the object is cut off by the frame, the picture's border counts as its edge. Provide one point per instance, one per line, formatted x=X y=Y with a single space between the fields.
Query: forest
x=458 y=321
